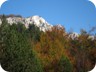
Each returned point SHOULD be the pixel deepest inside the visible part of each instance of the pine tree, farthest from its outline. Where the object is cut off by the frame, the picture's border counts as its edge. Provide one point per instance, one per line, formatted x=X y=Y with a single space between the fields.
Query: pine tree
x=64 y=65
x=4 y=29
x=19 y=56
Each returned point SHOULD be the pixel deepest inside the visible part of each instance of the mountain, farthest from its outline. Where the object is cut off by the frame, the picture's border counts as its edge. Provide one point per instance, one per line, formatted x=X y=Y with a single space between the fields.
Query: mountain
x=39 y=22
x=36 y=20
x=73 y=35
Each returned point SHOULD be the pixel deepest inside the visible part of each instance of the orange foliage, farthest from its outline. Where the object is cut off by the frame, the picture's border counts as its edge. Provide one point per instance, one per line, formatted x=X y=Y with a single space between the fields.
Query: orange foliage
x=55 y=43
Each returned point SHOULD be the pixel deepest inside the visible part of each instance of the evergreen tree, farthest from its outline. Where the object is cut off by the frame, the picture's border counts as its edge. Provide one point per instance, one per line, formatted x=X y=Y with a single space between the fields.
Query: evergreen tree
x=19 y=56
x=64 y=65
x=34 y=33
x=4 y=29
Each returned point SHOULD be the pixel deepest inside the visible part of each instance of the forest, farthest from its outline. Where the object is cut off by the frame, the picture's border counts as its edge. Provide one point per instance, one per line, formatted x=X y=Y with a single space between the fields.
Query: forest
x=31 y=50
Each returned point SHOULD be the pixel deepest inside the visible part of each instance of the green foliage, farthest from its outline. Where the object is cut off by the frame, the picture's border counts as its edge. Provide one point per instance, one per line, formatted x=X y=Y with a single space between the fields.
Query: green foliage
x=4 y=29
x=30 y=50
x=18 y=55
x=34 y=33
x=64 y=65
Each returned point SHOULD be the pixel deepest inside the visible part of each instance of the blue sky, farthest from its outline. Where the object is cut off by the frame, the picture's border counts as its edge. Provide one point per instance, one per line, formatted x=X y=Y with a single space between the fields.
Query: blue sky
x=72 y=14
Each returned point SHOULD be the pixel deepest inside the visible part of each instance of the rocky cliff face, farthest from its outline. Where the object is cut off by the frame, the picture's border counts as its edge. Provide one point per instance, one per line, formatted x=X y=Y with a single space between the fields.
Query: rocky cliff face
x=39 y=22
x=36 y=20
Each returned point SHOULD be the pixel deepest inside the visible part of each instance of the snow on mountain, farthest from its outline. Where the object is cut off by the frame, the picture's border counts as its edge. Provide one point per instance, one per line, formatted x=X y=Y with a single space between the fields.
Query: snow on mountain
x=39 y=22
x=91 y=37
x=15 y=20
x=36 y=20
x=74 y=35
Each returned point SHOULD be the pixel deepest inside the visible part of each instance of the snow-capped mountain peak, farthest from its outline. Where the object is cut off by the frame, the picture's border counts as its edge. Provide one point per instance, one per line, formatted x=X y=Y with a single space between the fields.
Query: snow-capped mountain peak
x=36 y=20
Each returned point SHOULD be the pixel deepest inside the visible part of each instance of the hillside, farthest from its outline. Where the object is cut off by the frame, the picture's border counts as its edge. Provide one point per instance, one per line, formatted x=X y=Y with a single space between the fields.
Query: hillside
x=41 y=47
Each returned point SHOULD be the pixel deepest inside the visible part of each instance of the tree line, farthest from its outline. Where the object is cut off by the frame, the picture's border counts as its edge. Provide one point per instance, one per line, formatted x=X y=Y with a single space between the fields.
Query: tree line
x=31 y=50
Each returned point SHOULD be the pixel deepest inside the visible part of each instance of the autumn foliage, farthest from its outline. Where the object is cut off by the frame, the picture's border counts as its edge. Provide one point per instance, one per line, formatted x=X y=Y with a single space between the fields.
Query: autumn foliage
x=31 y=50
